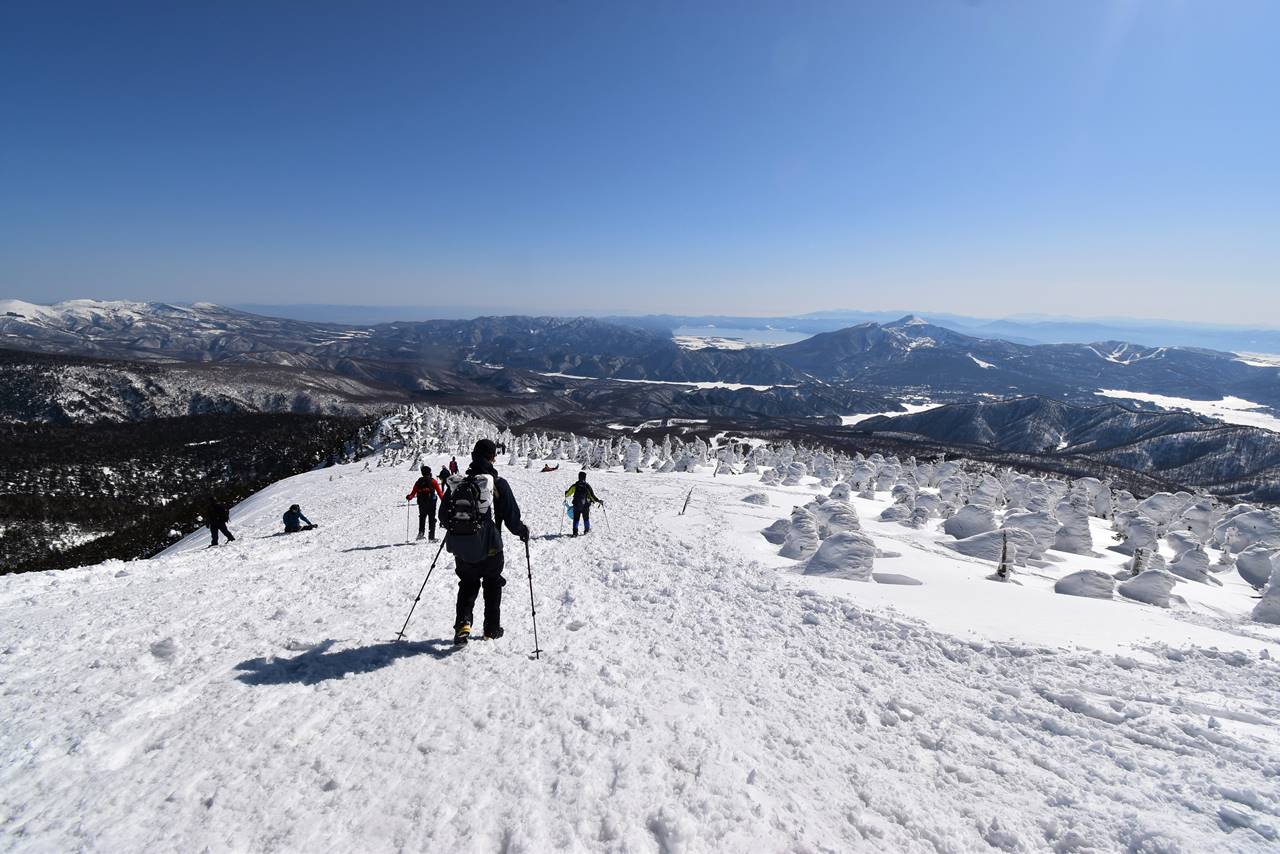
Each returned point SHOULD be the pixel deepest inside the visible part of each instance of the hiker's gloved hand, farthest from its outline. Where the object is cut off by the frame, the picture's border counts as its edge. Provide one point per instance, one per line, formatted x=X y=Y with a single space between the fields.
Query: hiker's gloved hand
x=524 y=534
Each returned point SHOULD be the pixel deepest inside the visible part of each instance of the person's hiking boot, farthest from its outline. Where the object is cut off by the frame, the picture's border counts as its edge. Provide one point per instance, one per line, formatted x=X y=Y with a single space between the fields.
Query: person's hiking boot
x=462 y=635
x=494 y=634
x=421 y=535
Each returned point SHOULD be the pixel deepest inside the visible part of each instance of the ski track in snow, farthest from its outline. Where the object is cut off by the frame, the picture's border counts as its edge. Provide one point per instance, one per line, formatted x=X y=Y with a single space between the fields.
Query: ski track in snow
x=689 y=698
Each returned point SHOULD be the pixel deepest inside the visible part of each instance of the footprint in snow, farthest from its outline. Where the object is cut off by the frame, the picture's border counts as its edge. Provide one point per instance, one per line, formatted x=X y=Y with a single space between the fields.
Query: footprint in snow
x=576 y=624
x=164 y=649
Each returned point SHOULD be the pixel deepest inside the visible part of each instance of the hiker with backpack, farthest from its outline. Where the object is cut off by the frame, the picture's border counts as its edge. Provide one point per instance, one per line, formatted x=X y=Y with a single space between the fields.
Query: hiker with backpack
x=216 y=516
x=426 y=489
x=472 y=510
x=582 y=496
x=294 y=519
x=453 y=464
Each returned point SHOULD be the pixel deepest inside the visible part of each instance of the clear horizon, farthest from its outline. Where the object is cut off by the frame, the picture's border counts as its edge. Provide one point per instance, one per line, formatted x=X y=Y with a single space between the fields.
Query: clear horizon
x=429 y=311
x=1097 y=160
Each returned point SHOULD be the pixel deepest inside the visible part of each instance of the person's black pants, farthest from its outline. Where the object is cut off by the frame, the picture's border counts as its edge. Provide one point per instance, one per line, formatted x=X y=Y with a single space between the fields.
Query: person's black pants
x=427 y=513
x=220 y=527
x=471 y=577
x=583 y=513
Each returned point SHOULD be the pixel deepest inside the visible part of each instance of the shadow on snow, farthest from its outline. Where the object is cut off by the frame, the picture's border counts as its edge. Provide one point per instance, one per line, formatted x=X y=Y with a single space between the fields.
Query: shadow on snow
x=383 y=546
x=319 y=664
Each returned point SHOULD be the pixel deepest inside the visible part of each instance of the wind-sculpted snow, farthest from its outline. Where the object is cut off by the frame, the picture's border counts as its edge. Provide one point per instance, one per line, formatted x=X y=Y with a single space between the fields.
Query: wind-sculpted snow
x=1087 y=582
x=1257 y=564
x=696 y=691
x=844 y=554
x=1151 y=586
x=970 y=520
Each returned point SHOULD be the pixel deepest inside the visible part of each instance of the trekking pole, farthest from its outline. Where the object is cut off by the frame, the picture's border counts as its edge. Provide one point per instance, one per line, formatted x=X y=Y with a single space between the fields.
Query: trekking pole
x=400 y=634
x=607 y=523
x=533 y=611
x=686 y=501
x=408 y=520
x=562 y=512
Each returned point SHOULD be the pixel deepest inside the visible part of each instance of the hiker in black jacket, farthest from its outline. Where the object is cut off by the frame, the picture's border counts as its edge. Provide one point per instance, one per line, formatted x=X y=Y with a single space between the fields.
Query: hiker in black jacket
x=478 y=556
x=295 y=520
x=216 y=517
x=583 y=496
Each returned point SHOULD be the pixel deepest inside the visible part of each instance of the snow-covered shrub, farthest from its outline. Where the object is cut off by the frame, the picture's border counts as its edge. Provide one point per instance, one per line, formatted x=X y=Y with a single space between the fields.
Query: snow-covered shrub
x=1181 y=540
x=1139 y=532
x=1152 y=586
x=1268 y=608
x=1193 y=565
x=988 y=545
x=1256 y=565
x=759 y=499
x=896 y=513
x=848 y=554
x=777 y=532
x=802 y=535
x=1089 y=583
x=1041 y=525
x=970 y=520
x=1249 y=528
x=835 y=516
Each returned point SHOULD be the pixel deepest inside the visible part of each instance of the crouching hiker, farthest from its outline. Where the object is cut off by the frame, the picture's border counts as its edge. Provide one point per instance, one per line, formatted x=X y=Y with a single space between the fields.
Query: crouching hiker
x=293 y=520
x=583 y=497
x=426 y=490
x=472 y=510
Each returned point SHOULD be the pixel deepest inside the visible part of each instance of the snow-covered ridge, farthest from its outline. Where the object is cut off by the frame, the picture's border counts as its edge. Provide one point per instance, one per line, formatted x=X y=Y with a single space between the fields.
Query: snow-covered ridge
x=1127 y=354
x=850 y=420
x=1260 y=360
x=1232 y=410
x=267 y=666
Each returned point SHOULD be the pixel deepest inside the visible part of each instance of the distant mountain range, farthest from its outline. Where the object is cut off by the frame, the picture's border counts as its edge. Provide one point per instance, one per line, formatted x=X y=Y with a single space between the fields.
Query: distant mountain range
x=87 y=360
x=1018 y=330
x=1180 y=447
x=912 y=353
x=908 y=355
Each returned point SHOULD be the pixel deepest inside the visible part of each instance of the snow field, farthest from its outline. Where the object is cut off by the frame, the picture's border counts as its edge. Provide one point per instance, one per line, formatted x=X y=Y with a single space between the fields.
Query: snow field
x=695 y=693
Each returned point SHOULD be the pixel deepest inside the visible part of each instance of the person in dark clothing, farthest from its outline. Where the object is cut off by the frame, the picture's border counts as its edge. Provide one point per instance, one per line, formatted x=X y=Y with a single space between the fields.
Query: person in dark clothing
x=216 y=517
x=582 y=496
x=453 y=463
x=487 y=571
x=426 y=490
x=293 y=520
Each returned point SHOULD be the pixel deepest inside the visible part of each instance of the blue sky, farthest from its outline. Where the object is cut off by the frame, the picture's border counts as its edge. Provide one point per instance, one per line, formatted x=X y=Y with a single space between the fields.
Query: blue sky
x=979 y=157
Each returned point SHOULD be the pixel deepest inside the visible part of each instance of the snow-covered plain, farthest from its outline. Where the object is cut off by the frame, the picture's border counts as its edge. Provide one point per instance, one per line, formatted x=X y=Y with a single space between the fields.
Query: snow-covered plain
x=911 y=409
x=701 y=384
x=695 y=693
x=1260 y=360
x=1232 y=410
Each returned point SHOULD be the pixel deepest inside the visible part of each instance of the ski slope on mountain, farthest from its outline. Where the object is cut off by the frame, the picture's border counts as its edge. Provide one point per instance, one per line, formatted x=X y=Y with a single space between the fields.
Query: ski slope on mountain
x=694 y=693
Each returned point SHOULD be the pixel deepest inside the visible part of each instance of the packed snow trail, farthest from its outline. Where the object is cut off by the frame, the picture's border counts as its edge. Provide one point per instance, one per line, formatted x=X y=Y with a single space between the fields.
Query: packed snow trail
x=689 y=698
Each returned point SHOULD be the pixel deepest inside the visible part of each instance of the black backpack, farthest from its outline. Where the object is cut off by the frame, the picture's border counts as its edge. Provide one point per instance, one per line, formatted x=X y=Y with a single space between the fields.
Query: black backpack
x=468 y=518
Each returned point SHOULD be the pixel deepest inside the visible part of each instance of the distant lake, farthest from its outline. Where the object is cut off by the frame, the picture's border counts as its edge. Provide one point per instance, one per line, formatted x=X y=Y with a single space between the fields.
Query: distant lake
x=750 y=336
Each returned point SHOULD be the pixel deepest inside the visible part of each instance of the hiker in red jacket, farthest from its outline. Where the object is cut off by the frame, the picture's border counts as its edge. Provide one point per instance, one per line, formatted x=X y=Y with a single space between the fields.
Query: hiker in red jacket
x=426 y=490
